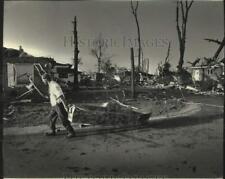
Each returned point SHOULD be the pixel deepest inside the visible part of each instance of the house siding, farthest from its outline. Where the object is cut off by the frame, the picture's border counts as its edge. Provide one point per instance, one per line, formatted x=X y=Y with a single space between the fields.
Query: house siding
x=201 y=74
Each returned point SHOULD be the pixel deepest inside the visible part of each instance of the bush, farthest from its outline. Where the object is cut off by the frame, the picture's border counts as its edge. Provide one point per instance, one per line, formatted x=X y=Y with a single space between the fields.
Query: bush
x=207 y=85
x=184 y=77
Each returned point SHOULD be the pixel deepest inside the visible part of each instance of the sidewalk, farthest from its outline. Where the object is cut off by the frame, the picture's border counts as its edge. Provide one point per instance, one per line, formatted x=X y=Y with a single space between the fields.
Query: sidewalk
x=188 y=110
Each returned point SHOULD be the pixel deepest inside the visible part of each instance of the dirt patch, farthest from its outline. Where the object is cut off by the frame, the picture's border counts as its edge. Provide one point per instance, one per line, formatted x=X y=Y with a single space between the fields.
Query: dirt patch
x=34 y=114
x=28 y=114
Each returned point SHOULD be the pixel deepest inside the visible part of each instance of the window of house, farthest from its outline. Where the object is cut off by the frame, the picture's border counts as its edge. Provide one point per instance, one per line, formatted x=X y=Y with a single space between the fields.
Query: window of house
x=63 y=75
x=23 y=71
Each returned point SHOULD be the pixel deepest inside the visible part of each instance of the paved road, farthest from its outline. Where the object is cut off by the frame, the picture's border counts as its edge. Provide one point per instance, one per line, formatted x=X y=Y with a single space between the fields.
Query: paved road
x=187 y=148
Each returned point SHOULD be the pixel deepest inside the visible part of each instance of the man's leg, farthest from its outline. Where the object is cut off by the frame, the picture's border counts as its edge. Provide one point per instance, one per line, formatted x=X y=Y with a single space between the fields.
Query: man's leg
x=52 y=119
x=63 y=116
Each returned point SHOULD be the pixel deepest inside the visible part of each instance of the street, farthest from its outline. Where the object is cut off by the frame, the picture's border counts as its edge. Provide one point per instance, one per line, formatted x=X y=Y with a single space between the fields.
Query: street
x=185 y=149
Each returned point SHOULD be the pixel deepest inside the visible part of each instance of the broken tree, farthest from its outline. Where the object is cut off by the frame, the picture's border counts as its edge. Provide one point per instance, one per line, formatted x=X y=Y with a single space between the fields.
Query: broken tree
x=184 y=7
x=134 y=12
x=98 y=50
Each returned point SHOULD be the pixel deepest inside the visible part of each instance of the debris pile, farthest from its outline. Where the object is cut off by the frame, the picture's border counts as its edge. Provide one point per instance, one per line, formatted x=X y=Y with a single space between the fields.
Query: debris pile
x=109 y=113
x=26 y=114
x=9 y=113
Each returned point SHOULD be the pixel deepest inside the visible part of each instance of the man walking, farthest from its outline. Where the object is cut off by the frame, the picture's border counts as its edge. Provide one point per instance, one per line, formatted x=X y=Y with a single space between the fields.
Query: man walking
x=59 y=108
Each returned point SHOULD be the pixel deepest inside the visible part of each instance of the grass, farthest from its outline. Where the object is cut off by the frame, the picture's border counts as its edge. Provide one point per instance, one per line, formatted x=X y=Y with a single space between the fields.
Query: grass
x=154 y=101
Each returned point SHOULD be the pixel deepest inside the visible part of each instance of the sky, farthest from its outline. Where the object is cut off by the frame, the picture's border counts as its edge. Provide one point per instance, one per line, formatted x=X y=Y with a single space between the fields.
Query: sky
x=44 y=28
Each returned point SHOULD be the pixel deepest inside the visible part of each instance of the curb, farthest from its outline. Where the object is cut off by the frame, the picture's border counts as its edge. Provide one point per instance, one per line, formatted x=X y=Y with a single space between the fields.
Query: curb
x=188 y=110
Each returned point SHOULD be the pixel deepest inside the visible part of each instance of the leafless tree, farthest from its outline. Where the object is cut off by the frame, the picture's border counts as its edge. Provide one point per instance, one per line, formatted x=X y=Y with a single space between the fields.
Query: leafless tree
x=181 y=25
x=99 y=49
x=164 y=68
x=134 y=9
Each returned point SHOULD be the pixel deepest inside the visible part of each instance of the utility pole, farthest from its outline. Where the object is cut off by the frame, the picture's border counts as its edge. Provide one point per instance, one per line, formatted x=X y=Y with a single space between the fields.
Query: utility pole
x=76 y=52
x=224 y=23
x=132 y=73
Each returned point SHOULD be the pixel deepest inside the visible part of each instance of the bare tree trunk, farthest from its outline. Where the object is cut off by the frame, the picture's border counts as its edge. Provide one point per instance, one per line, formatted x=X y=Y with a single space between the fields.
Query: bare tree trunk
x=2 y=74
x=181 y=59
x=139 y=44
x=100 y=55
x=181 y=29
x=142 y=62
x=76 y=52
x=147 y=66
x=132 y=73
x=168 y=53
x=98 y=51
x=99 y=65
x=134 y=12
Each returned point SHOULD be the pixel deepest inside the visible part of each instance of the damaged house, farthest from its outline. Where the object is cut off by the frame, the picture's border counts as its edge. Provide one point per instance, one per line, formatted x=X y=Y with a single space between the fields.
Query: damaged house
x=18 y=70
x=205 y=69
x=18 y=67
x=64 y=73
x=207 y=73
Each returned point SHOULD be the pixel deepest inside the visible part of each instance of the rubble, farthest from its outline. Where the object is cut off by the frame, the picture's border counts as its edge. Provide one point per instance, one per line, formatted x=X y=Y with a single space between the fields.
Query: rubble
x=9 y=113
x=21 y=101
x=111 y=112
x=192 y=88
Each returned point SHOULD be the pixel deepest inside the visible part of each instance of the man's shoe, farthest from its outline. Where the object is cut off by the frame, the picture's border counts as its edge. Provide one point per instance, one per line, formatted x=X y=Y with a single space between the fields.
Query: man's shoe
x=50 y=133
x=71 y=132
x=70 y=135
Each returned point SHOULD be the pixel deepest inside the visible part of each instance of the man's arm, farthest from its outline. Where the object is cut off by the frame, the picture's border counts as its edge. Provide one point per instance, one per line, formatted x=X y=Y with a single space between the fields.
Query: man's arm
x=63 y=101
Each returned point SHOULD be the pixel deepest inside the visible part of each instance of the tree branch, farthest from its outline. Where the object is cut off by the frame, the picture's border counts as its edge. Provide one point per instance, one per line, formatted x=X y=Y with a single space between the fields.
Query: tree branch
x=177 y=19
x=136 y=6
x=189 y=6
x=219 y=49
x=182 y=10
x=181 y=28
x=95 y=53
x=213 y=40
x=134 y=10
x=132 y=7
x=168 y=53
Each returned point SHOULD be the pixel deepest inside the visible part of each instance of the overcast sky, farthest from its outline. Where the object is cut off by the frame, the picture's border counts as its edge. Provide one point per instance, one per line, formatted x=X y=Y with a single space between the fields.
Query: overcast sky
x=44 y=28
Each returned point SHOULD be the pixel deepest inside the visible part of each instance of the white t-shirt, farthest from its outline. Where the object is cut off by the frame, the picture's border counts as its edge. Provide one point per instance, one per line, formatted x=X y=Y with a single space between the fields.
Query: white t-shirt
x=55 y=92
